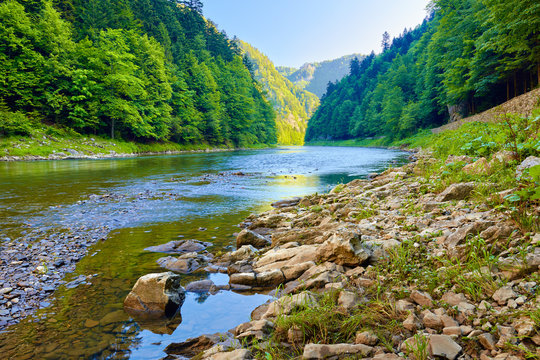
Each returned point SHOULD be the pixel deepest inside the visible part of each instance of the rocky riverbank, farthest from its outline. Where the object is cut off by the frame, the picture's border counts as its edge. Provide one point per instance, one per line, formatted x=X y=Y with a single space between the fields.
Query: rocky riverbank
x=33 y=266
x=410 y=264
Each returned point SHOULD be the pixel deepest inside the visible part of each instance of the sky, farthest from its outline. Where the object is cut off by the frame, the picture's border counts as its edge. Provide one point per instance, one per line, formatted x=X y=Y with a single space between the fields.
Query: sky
x=293 y=32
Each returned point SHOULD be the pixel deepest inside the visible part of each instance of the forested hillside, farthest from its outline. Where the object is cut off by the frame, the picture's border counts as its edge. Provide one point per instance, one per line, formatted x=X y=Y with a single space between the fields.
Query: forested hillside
x=469 y=55
x=314 y=77
x=140 y=70
x=292 y=104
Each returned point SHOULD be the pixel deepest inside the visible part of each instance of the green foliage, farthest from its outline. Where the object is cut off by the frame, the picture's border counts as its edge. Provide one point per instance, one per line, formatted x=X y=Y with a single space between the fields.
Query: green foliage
x=138 y=70
x=468 y=55
x=14 y=123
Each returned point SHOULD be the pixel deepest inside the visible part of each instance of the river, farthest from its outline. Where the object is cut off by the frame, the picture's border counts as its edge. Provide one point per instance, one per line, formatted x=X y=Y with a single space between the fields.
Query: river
x=146 y=201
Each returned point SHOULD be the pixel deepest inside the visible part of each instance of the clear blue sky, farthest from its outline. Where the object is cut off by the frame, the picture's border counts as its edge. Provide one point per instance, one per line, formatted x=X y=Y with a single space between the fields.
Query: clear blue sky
x=293 y=32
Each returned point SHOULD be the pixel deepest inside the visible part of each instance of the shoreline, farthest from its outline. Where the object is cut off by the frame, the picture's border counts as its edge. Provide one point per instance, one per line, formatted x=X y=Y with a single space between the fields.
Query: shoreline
x=366 y=245
x=124 y=155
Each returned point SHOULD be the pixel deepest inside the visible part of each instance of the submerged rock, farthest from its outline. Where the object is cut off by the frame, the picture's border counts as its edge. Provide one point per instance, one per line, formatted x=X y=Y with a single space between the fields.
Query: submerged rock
x=179 y=246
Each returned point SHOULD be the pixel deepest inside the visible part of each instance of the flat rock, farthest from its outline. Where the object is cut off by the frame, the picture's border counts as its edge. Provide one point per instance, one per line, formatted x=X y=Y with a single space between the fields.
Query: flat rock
x=422 y=298
x=200 y=286
x=504 y=294
x=320 y=351
x=179 y=247
x=443 y=346
x=184 y=266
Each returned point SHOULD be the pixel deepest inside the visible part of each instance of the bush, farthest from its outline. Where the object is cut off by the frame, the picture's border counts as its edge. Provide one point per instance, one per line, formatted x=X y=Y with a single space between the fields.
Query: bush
x=14 y=123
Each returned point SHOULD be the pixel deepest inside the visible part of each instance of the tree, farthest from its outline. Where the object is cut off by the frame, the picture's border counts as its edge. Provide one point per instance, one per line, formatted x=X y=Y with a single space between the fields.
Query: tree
x=385 y=43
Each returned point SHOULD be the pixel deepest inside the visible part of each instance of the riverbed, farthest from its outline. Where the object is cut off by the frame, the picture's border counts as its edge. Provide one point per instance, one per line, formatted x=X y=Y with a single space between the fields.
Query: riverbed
x=140 y=202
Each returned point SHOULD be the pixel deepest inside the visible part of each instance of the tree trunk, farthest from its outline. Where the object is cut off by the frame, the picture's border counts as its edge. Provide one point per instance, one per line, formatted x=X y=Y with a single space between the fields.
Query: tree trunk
x=524 y=82
x=515 y=84
x=112 y=129
x=538 y=72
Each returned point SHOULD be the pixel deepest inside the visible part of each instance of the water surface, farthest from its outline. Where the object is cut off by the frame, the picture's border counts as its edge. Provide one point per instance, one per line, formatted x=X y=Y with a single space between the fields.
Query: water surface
x=147 y=201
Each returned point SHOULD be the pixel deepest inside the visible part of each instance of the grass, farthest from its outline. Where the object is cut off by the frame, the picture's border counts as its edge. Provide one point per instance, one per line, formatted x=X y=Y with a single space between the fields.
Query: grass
x=327 y=323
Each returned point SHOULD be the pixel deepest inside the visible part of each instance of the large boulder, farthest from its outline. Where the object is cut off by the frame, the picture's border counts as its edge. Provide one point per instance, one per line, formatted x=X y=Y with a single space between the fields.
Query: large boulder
x=479 y=167
x=248 y=237
x=343 y=248
x=155 y=296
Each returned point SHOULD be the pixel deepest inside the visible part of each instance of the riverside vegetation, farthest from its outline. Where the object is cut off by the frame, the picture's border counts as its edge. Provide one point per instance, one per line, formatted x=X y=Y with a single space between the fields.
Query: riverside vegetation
x=435 y=259
x=147 y=72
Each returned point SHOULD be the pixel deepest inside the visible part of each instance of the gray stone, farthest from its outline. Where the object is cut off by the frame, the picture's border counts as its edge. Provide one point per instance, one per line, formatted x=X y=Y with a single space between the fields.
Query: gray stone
x=184 y=266
x=200 y=286
x=422 y=298
x=343 y=248
x=527 y=164
x=504 y=294
x=443 y=346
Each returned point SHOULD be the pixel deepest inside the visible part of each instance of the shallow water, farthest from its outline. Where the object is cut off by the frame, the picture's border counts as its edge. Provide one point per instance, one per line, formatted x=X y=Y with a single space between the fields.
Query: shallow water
x=149 y=201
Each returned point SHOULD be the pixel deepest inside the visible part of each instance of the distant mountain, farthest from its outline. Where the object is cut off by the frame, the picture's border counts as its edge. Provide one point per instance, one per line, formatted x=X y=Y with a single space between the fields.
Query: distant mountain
x=314 y=77
x=293 y=105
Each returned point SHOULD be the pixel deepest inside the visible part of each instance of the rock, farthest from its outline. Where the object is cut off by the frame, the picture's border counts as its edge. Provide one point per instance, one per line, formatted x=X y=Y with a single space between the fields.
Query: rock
x=452 y=330
x=524 y=326
x=348 y=300
x=432 y=320
x=270 y=279
x=443 y=346
x=89 y=323
x=527 y=164
x=379 y=248
x=286 y=203
x=387 y=357
x=343 y=248
x=248 y=237
x=366 y=338
x=453 y=299
x=286 y=304
x=200 y=286
x=404 y=306
x=487 y=341
x=504 y=294
x=292 y=272
x=458 y=191
x=248 y=279
x=179 y=246
x=192 y=347
x=295 y=335
x=156 y=295
x=479 y=167
x=238 y=354
x=504 y=156
x=412 y=323
x=533 y=259
x=455 y=159
x=245 y=252
x=464 y=231
x=184 y=266
x=422 y=298
x=319 y=351
x=258 y=329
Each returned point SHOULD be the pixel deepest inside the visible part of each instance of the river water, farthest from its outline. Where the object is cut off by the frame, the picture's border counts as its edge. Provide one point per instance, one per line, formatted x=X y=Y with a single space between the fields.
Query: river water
x=147 y=201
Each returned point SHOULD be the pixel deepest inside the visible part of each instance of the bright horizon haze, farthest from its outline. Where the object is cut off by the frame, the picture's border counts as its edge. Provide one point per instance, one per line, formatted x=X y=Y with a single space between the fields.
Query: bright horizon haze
x=295 y=32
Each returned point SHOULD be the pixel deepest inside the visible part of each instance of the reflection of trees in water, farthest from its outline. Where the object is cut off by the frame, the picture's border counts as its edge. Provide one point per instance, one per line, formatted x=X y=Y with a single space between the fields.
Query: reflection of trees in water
x=201 y=297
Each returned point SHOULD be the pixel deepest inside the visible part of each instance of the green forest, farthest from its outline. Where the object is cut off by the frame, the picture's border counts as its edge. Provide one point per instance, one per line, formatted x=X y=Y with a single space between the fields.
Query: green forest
x=137 y=70
x=293 y=105
x=467 y=56
x=314 y=77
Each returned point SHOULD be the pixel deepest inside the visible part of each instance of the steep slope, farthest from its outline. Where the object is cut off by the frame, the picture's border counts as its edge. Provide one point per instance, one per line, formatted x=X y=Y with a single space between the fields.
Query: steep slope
x=468 y=56
x=292 y=104
x=138 y=70
x=314 y=77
